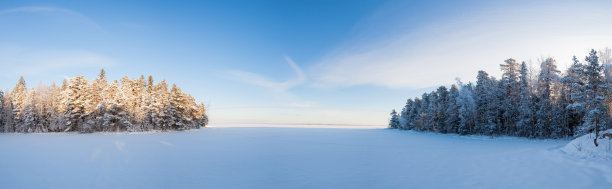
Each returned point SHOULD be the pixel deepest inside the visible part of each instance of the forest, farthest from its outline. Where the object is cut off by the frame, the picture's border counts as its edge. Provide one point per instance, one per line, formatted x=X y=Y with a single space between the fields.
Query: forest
x=524 y=102
x=99 y=106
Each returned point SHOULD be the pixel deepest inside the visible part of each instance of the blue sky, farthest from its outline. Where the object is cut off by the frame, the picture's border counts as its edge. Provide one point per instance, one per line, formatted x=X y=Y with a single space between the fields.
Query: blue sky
x=293 y=62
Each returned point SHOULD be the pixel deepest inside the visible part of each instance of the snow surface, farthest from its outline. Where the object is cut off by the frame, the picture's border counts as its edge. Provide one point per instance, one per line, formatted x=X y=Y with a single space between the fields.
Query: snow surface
x=584 y=147
x=266 y=157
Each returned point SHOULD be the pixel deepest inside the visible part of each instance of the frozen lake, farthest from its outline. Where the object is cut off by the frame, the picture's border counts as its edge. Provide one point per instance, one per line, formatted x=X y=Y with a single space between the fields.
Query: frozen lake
x=269 y=157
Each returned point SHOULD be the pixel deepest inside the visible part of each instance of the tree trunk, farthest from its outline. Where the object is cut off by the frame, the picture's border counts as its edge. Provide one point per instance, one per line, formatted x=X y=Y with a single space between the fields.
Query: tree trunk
x=596 y=132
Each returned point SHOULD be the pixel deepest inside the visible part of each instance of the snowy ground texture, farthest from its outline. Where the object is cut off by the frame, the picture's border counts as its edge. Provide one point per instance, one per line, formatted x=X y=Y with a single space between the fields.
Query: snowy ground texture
x=292 y=158
x=584 y=147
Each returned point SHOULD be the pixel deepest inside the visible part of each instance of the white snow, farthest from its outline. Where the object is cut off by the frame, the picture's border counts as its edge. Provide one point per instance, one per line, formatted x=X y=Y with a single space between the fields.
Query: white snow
x=267 y=157
x=585 y=147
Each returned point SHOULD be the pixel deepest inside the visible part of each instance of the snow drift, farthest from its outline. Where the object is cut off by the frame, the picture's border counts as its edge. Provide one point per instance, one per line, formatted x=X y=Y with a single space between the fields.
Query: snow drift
x=584 y=147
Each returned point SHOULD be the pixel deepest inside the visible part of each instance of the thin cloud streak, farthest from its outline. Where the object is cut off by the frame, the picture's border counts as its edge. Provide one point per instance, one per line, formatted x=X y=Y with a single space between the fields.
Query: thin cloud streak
x=438 y=52
x=43 y=9
x=31 y=62
x=263 y=81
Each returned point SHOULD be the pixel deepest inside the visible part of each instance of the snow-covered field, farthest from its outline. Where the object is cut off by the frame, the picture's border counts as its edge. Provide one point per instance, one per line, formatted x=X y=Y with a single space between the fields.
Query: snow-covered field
x=267 y=157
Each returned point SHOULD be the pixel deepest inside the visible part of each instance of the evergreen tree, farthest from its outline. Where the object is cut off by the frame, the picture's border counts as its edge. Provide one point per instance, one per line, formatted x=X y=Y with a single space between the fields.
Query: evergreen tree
x=546 y=79
x=394 y=121
x=80 y=106
x=2 y=116
x=526 y=105
x=415 y=114
x=406 y=116
x=452 y=121
x=31 y=117
x=432 y=112
x=425 y=112
x=485 y=95
x=510 y=95
x=74 y=99
x=158 y=105
x=517 y=104
x=605 y=58
x=442 y=106
x=467 y=109
x=177 y=109
x=573 y=85
x=18 y=98
x=597 y=116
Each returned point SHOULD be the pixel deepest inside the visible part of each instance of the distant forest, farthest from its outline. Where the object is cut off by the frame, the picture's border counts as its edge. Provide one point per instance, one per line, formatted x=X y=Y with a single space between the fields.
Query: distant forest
x=524 y=102
x=81 y=106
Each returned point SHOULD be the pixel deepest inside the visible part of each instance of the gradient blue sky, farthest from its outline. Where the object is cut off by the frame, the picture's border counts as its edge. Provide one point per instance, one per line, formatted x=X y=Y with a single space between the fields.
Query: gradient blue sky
x=293 y=62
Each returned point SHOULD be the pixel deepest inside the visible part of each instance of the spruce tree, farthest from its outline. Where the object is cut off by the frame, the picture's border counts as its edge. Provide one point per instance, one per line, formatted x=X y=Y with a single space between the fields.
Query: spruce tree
x=546 y=79
x=2 y=116
x=394 y=121
x=510 y=91
x=525 y=121
x=442 y=106
x=467 y=110
x=452 y=121
x=597 y=116
x=405 y=116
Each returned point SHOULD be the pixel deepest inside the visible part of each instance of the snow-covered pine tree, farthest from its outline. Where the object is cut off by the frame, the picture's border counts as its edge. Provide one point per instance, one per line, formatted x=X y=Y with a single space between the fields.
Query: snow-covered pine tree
x=394 y=121
x=56 y=122
x=160 y=101
x=546 y=79
x=147 y=108
x=74 y=98
x=191 y=112
x=415 y=114
x=426 y=118
x=116 y=117
x=432 y=112
x=29 y=117
x=485 y=103
x=42 y=104
x=406 y=116
x=176 y=109
x=452 y=121
x=97 y=106
x=605 y=58
x=597 y=116
x=202 y=118
x=142 y=107
x=8 y=115
x=511 y=89
x=467 y=109
x=526 y=105
x=496 y=109
x=18 y=98
x=442 y=106
x=2 y=116
x=130 y=101
x=573 y=89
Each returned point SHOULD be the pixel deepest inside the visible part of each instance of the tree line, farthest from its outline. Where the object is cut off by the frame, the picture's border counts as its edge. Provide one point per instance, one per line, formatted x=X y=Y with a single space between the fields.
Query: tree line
x=81 y=106
x=524 y=102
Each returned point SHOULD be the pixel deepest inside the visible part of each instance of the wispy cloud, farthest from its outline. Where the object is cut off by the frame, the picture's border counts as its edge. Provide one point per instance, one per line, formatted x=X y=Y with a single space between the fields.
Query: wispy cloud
x=438 y=51
x=36 y=9
x=24 y=61
x=276 y=86
x=44 y=9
